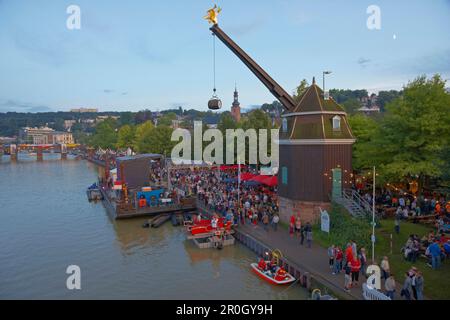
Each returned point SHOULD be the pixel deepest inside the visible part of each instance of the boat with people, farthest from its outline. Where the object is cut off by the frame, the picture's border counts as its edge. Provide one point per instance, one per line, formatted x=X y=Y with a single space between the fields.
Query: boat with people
x=271 y=272
x=201 y=226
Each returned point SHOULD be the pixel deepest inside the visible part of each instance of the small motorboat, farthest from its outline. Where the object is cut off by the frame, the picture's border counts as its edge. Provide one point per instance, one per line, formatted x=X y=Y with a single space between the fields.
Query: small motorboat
x=278 y=277
x=93 y=193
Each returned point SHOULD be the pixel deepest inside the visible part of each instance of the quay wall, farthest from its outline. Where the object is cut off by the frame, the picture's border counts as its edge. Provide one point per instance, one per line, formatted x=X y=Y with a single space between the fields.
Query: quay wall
x=306 y=277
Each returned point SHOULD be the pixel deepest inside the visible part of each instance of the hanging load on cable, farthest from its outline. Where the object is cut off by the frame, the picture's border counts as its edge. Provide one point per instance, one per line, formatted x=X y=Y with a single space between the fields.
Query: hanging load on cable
x=286 y=100
x=214 y=103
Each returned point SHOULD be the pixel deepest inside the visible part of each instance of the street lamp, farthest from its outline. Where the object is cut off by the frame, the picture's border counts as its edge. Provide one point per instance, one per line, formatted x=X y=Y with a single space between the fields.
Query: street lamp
x=323 y=81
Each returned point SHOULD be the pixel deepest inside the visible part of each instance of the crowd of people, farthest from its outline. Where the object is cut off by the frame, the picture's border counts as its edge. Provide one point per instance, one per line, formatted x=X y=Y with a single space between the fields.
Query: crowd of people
x=220 y=191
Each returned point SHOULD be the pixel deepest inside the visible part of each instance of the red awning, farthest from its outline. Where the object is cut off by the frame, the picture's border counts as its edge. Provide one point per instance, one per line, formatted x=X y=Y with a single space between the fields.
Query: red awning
x=245 y=176
x=234 y=166
x=267 y=180
x=271 y=181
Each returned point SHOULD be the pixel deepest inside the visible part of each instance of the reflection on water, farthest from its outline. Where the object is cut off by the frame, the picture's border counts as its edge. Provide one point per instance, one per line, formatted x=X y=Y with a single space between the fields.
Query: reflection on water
x=47 y=224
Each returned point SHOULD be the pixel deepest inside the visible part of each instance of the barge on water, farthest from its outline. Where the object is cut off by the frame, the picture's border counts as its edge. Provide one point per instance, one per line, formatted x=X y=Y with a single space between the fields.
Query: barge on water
x=128 y=192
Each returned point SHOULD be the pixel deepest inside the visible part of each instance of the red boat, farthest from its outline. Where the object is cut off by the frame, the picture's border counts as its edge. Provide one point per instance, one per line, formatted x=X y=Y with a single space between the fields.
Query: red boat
x=280 y=277
x=204 y=226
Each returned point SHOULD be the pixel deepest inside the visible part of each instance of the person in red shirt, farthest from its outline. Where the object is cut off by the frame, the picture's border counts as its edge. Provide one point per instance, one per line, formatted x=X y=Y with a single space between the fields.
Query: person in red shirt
x=355 y=265
x=292 y=225
x=262 y=264
x=349 y=253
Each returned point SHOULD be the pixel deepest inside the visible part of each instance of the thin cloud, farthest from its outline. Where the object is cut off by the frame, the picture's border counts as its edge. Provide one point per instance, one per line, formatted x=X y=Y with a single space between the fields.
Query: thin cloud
x=364 y=62
x=19 y=106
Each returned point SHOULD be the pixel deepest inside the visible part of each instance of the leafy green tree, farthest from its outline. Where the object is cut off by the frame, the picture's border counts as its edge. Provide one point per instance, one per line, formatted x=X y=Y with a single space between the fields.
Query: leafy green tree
x=385 y=97
x=363 y=128
x=157 y=140
x=351 y=106
x=105 y=136
x=141 y=131
x=413 y=137
x=300 y=90
x=166 y=119
x=126 y=118
x=126 y=136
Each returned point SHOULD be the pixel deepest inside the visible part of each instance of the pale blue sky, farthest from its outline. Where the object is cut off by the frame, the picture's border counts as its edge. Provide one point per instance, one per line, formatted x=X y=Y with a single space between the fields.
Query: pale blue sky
x=131 y=55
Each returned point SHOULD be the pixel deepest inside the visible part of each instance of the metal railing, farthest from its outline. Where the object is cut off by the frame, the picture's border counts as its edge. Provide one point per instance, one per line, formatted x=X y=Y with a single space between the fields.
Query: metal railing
x=373 y=294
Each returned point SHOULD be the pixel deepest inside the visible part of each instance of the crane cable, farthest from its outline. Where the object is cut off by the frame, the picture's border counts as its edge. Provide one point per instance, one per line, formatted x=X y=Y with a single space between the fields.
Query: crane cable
x=214 y=62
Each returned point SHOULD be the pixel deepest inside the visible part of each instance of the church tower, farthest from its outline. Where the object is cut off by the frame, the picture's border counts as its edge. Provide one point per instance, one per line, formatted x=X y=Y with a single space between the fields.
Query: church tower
x=235 y=107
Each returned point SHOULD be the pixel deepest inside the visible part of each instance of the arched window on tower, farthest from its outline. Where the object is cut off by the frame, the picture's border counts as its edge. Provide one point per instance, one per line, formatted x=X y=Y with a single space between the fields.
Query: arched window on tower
x=336 y=123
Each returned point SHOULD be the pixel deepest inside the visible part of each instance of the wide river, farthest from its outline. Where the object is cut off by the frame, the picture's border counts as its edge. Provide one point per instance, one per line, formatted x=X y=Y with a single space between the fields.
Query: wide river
x=47 y=224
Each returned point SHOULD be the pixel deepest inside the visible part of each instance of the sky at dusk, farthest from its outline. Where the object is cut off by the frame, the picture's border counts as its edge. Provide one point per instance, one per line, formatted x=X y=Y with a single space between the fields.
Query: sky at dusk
x=132 y=55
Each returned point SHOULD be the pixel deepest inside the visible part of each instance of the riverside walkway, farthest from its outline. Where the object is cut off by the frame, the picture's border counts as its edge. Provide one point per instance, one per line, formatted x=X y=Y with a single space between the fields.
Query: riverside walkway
x=313 y=260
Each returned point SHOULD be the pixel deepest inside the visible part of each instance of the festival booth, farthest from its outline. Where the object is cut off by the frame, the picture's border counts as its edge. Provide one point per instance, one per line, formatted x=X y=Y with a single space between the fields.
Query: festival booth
x=135 y=170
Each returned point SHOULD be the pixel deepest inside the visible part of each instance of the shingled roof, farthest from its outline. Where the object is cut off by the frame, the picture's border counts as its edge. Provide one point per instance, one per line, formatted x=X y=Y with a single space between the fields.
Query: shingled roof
x=312 y=100
x=312 y=118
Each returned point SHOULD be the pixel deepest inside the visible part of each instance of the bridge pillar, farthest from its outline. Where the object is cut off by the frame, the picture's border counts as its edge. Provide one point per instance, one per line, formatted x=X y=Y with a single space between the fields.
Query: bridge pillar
x=63 y=149
x=40 y=154
x=13 y=151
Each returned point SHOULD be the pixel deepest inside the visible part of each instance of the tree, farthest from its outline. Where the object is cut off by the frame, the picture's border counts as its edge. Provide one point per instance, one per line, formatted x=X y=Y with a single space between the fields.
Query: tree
x=385 y=97
x=141 y=131
x=157 y=140
x=351 y=106
x=166 y=119
x=300 y=90
x=126 y=137
x=105 y=136
x=363 y=129
x=126 y=118
x=413 y=136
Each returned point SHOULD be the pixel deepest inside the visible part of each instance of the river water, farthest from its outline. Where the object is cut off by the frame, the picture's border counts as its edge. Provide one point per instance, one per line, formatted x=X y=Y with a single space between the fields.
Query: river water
x=47 y=224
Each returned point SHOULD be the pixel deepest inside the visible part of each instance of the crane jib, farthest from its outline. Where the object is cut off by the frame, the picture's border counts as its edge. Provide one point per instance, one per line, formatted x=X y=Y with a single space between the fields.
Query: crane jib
x=285 y=98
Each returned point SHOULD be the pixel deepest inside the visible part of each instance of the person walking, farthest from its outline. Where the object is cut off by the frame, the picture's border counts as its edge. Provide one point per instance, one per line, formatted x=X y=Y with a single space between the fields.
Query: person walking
x=275 y=221
x=419 y=285
x=355 y=267
x=407 y=287
x=302 y=235
x=389 y=285
x=337 y=260
x=298 y=226
x=385 y=268
x=265 y=221
x=309 y=238
x=291 y=225
x=363 y=259
x=330 y=252
x=435 y=252
x=347 y=277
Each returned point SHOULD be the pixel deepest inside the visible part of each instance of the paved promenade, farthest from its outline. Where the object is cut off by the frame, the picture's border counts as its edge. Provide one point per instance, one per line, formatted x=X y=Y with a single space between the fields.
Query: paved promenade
x=314 y=260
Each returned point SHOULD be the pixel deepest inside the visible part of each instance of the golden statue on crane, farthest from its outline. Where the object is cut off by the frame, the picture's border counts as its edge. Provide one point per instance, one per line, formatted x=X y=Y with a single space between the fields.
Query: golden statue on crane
x=212 y=14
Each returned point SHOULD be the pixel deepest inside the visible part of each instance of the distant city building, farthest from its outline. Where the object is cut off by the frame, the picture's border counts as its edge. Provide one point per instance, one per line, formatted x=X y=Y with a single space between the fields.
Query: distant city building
x=102 y=118
x=7 y=140
x=81 y=110
x=44 y=135
x=69 y=123
x=369 y=104
x=235 y=107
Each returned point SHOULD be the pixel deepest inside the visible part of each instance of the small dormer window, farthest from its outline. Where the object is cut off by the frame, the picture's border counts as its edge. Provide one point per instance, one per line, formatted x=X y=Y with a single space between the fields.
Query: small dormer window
x=284 y=125
x=336 y=123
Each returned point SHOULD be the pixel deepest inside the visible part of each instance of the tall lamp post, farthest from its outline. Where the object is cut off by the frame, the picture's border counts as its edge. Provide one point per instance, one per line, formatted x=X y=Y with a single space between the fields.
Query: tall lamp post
x=323 y=81
x=373 y=217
